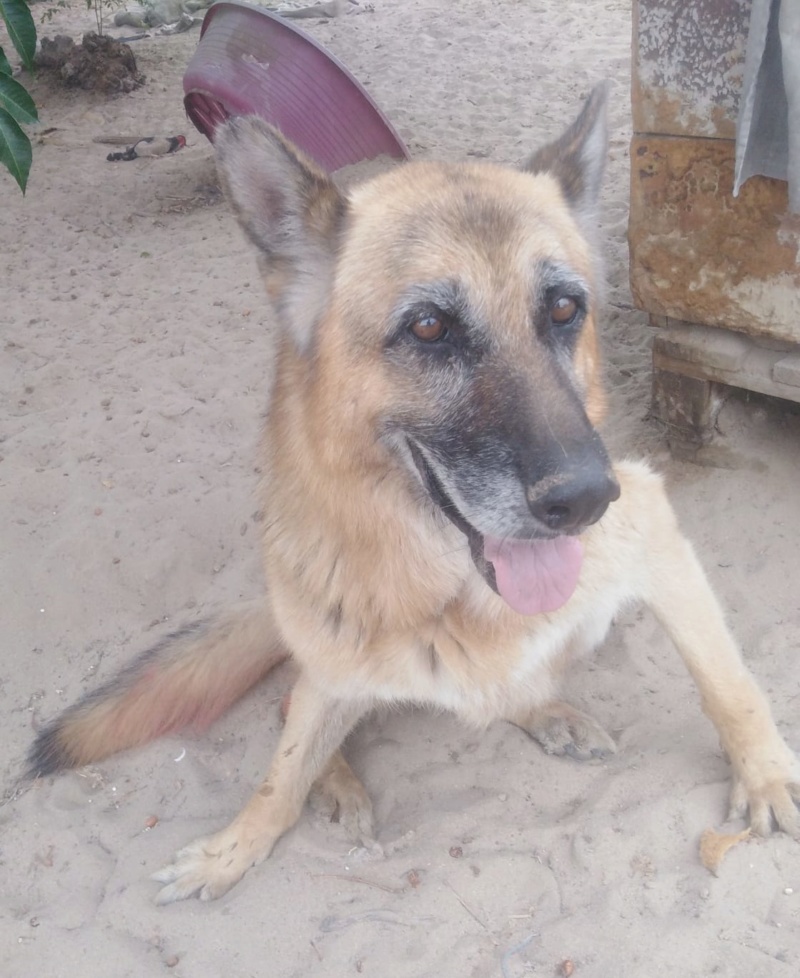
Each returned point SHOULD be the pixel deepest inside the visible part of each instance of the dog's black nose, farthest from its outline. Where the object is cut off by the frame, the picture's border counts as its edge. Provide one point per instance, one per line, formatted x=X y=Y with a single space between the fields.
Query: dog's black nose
x=571 y=500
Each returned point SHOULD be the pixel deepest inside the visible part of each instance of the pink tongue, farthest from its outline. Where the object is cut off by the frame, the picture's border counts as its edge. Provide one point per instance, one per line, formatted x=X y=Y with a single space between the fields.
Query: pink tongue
x=535 y=575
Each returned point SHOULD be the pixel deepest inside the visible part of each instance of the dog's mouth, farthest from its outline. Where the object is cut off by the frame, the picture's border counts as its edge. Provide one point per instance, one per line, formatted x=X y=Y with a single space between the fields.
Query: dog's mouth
x=532 y=576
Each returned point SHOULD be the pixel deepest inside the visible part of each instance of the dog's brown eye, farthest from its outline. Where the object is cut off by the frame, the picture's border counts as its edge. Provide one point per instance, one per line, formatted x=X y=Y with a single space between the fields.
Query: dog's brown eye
x=563 y=311
x=429 y=329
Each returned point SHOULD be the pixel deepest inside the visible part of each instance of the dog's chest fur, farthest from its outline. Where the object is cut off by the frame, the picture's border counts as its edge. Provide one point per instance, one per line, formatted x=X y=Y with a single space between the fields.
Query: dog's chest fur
x=383 y=622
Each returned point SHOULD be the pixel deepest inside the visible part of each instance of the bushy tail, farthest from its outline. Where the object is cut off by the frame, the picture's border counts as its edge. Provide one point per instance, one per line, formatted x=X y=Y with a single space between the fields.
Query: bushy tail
x=190 y=678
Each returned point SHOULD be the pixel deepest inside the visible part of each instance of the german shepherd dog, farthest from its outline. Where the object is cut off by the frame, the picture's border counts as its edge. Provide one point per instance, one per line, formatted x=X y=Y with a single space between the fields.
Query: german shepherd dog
x=443 y=524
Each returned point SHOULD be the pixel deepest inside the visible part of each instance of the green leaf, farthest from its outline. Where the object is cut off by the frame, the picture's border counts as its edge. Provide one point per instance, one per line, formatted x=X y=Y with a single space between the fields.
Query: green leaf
x=21 y=29
x=16 y=105
x=16 y=101
x=15 y=149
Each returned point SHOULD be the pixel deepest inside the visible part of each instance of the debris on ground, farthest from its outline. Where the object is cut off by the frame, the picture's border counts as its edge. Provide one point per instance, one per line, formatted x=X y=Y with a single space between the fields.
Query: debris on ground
x=714 y=846
x=99 y=63
x=149 y=146
x=176 y=15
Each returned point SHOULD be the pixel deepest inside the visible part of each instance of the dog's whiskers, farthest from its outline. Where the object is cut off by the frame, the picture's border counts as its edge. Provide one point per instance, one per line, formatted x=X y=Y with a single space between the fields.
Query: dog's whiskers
x=454 y=550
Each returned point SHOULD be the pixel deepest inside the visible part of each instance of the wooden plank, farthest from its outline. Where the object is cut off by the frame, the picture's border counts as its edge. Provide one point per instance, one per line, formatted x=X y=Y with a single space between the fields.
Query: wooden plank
x=707 y=356
x=688 y=406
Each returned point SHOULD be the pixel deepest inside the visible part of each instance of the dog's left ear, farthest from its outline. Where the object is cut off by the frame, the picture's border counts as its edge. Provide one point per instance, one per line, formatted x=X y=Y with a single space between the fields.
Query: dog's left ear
x=292 y=212
x=578 y=158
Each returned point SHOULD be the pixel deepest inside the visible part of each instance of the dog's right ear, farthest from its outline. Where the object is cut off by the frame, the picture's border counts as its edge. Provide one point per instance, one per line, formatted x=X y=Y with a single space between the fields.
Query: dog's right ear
x=291 y=211
x=578 y=158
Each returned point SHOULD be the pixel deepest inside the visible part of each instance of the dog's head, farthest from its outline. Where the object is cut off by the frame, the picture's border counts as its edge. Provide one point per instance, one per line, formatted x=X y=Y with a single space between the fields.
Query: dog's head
x=455 y=306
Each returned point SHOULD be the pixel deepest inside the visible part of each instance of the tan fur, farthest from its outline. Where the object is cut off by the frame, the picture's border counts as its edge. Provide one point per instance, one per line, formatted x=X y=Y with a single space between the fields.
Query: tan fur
x=374 y=593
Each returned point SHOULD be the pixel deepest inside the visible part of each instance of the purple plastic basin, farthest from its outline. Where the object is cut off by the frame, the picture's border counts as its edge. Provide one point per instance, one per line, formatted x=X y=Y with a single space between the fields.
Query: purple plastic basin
x=252 y=62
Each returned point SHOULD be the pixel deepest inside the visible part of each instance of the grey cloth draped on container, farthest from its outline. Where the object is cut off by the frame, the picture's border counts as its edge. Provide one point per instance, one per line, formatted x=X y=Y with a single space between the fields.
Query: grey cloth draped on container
x=768 y=126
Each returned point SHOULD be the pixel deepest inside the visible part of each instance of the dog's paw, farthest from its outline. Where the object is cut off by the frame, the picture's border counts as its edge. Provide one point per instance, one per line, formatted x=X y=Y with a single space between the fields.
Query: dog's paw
x=562 y=730
x=340 y=796
x=207 y=868
x=768 y=806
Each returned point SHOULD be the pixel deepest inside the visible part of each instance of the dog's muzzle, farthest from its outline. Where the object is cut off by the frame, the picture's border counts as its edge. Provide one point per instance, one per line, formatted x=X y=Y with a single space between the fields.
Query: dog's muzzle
x=438 y=494
x=537 y=572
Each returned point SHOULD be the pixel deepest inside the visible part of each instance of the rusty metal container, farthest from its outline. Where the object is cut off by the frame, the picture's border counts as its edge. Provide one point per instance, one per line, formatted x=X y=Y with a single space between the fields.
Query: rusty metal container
x=703 y=262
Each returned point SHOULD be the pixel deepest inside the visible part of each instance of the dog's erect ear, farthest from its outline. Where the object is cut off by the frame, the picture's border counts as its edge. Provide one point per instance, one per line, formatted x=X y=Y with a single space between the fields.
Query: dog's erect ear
x=577 y=160
x=292 y=212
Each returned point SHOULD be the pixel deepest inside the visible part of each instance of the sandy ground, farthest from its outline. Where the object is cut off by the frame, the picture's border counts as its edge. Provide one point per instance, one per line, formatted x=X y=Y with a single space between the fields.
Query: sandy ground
x=132 y=378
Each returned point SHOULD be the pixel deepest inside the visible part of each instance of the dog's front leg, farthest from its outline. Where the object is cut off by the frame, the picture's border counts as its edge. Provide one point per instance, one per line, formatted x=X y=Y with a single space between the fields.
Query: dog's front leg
x=315 y=727
x=766 y=773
